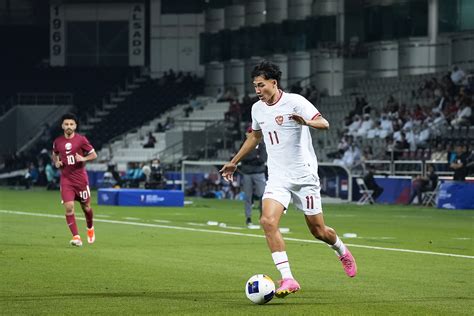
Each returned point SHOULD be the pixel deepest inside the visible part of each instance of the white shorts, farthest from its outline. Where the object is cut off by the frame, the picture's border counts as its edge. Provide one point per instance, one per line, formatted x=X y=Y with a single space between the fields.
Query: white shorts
x=305 y=191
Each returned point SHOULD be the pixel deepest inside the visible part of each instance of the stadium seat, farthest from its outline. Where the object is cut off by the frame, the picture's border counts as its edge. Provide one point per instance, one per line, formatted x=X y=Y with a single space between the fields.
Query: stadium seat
x=430 y=197
x=366 y=194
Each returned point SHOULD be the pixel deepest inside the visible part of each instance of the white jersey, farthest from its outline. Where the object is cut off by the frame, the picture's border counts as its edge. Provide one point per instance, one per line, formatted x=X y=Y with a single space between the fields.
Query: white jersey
x=289 y=144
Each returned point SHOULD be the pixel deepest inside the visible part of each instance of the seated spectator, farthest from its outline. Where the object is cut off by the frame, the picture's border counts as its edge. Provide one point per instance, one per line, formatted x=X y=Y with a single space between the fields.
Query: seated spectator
x=154 y=175
x=422 y=137
x=366 y=125
x=423 y=184
x=355 y=125
x=439 y=123
x=410 y=138
x=31 y=176
x=219 y=95
x=351 y=158
x=341 y=148
x=133 y=175
x=233 y=114
x=112 y=178
x=457 y=76
x=463 y=115
x=402 y=144
x=440 y=153
x=52 y=176
x=371 y=184
x=150 y=143
x=159 y=128
x=386 y=123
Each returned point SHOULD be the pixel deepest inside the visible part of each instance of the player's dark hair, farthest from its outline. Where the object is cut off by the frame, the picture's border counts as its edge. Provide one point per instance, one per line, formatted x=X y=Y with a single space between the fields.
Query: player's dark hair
x=267 y=70
x=69 y=116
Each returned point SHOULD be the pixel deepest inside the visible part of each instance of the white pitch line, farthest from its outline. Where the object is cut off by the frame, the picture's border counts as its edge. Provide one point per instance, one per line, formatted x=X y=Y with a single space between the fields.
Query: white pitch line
x=161 y=221
x=196 y=224
x=239 y=234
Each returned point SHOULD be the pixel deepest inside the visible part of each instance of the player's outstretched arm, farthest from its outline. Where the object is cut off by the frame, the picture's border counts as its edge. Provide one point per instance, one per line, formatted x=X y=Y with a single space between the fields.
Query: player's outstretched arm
x=250 y=143
x=318 y=123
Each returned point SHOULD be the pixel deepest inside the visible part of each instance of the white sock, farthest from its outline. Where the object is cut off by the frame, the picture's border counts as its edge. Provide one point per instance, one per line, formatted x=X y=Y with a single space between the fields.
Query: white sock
x=281 y=262
x=339 y=247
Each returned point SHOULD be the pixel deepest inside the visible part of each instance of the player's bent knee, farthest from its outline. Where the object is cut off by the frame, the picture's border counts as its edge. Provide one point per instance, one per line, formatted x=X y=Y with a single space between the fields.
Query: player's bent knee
x=268 y=222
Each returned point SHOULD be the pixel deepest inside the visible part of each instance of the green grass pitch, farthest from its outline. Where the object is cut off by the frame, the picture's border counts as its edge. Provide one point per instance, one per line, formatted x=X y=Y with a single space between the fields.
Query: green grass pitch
x=167 y=261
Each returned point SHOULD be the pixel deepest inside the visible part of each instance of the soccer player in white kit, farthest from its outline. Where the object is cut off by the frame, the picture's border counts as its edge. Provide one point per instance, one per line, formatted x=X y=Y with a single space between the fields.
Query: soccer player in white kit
x=283 y=120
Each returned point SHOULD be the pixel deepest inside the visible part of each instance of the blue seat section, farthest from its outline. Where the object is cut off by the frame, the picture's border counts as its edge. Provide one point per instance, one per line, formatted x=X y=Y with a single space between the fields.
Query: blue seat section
x=140 y=197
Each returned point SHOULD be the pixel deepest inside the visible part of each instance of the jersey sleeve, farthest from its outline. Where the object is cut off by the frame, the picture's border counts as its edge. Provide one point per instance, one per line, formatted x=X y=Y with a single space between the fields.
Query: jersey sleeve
x=255 y=125
x=55 y=150
x=306 y=109
x=86 y=146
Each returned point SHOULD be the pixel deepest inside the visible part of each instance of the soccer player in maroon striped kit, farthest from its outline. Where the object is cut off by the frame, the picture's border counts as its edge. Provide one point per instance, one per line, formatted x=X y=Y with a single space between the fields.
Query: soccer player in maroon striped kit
x=70 y=152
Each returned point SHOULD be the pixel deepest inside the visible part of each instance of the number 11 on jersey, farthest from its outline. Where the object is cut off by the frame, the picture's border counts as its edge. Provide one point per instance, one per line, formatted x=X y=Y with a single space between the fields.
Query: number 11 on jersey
x=277 y=141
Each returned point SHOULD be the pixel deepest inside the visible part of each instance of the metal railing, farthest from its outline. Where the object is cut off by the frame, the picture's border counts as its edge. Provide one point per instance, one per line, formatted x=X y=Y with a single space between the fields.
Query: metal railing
x=412 y=167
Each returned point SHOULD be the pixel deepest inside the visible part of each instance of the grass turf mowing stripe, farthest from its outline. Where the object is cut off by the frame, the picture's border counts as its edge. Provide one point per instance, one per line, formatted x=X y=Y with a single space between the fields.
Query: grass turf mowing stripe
x=237 y=234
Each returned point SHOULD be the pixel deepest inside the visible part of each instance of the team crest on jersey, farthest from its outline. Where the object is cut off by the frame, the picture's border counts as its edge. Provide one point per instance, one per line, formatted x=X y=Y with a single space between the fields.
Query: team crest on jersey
x=279 y=119
x=68 y=146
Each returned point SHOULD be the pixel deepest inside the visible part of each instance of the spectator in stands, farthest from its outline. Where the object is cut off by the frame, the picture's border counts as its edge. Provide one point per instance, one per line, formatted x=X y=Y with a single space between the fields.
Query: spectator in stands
x=367 y=154
x=457 y=75
x=390 y=148
x=366 y=125
x=440 y=153
x=154 y=177
x=341 y=148
x=459 y=165
x=219 y=95
x=402 y=144
x=355 y=125
x=31 y=176
x=151 y=141
x=418 y=113
x=422 y=184
x=351 y=158
x=296 y=87
x=358 y=106
x=410 y=138
x=439 y=123
x=371 y=184
x=159 y=128
x=423 y=135
x=52 y=176
x=392 y=104
x=233 y=114
x=470 y=84
x=134 y=175
x=463 y=115
x=112 y=178
x=397 y=132
x=169 y=124
x=386 y=123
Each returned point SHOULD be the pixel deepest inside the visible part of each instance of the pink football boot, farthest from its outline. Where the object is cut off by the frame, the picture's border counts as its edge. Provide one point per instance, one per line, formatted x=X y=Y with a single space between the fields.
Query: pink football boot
x=349 y=264
x=287 y=286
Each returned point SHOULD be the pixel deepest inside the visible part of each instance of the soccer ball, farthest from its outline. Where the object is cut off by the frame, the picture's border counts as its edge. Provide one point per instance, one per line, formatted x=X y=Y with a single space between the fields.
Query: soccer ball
x=260 y=289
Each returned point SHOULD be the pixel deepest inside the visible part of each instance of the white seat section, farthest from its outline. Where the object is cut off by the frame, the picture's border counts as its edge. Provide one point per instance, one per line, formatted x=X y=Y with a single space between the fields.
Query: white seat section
x=129 y=147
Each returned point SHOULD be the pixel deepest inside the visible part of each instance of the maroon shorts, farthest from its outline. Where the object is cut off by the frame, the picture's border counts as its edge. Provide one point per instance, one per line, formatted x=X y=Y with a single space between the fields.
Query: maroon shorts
x=75 y=192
